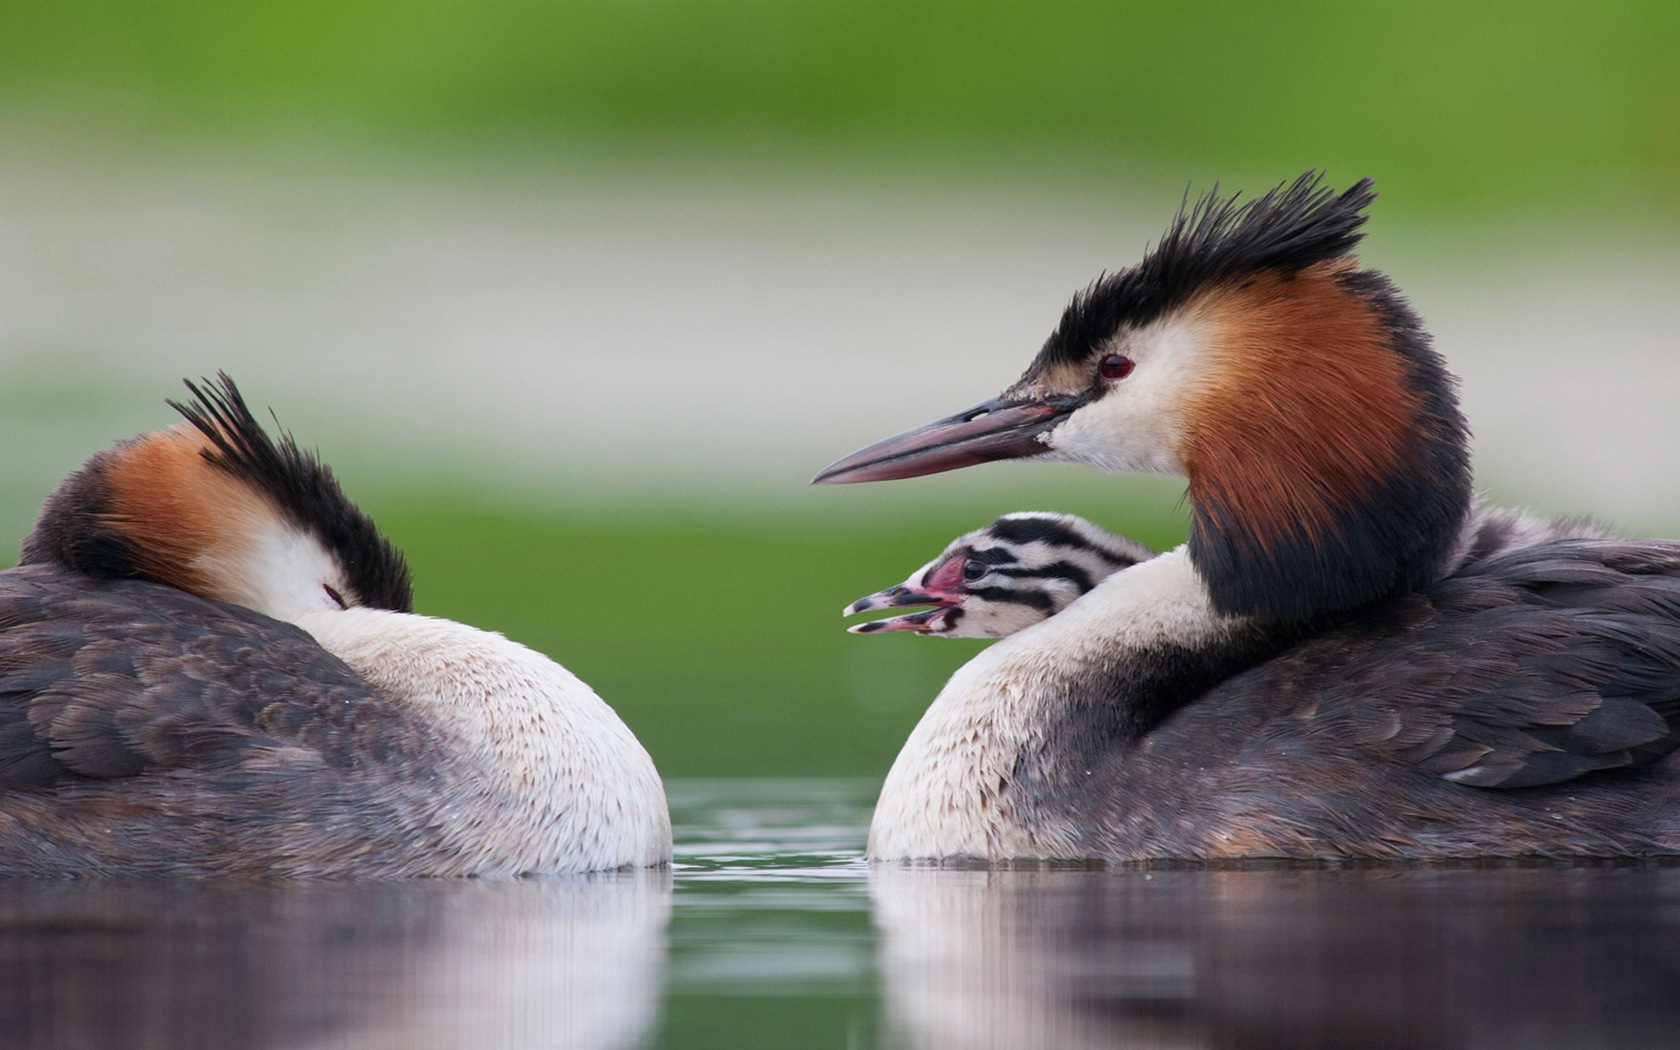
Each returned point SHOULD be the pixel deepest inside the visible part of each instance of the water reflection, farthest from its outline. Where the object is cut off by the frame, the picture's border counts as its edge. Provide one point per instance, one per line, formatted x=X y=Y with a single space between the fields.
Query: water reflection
x=1281 y=958
x=771 y=930
x=447 y=963
x=771 y=944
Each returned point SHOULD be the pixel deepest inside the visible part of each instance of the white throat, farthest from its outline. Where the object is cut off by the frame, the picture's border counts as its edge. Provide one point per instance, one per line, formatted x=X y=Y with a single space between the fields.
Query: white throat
x=945 y=794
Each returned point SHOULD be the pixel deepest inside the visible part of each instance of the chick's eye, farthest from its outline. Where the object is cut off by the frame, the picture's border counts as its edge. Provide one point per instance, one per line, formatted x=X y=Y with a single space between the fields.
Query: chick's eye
x=973 y=570
x=335 y=596
x=1115 y=366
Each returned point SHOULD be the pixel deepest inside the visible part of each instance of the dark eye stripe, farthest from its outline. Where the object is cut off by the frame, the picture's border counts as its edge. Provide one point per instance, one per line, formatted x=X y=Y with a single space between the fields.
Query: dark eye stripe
x=1060 y=570
x=1037 y=599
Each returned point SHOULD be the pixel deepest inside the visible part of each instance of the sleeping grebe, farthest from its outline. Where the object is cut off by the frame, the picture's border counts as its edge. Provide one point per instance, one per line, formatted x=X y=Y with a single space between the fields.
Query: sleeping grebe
x=208 y=666
x=1019 y=570
x=1345 y=651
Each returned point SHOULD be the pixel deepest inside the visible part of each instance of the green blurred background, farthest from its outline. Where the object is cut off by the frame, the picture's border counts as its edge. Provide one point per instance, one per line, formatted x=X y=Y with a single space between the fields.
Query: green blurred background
x=888 y=177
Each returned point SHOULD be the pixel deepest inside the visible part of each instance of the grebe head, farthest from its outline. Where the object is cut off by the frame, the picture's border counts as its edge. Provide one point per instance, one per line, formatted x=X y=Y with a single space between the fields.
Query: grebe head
x=1020 y=570
x=217 y=507
x=1249 y=353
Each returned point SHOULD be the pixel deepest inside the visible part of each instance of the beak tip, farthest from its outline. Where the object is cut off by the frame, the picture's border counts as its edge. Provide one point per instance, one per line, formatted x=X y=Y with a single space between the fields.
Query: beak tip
x=833 y=474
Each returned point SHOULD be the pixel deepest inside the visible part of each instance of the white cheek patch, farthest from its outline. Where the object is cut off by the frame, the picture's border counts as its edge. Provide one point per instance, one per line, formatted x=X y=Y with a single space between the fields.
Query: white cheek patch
x=278 y=571
x=1137 y=424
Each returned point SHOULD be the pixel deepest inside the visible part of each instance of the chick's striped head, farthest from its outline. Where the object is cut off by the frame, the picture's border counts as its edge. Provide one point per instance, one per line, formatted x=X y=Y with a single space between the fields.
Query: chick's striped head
x=1020 y=570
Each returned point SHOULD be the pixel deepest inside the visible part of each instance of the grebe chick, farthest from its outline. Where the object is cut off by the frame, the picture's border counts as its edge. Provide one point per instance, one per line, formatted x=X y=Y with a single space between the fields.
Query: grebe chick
x=1028 y=566
x=1347 y=658
x=1020 y=570
x=208 y=666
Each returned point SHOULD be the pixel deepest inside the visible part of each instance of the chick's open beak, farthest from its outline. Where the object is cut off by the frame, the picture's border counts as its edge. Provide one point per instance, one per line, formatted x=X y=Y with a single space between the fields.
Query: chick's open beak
x=925 y=622
x=899 y=596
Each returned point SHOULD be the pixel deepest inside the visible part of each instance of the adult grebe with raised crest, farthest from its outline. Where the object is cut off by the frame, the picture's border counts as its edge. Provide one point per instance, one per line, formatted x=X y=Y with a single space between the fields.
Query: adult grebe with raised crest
x=1348 y=658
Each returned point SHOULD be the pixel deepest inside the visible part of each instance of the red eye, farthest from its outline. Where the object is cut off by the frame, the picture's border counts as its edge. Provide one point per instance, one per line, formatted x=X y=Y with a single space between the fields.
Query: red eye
x=1115 y=366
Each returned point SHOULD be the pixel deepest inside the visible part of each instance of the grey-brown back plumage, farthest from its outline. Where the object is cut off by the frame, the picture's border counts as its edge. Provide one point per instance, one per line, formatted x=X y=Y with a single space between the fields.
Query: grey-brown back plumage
x=1550 y=674
x=144 y=731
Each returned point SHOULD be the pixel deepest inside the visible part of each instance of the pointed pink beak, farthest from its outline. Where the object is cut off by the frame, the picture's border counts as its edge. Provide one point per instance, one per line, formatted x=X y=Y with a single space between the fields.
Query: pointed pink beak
x=995 y=429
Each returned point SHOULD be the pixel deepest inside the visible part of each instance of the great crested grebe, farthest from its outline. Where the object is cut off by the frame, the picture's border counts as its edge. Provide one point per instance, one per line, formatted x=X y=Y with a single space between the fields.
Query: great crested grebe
x=1021 y=569
x=1346 y=656
x=208 y=666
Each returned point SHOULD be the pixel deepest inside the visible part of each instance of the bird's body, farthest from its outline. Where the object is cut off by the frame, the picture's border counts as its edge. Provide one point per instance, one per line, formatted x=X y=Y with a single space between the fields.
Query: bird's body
x=207 y=667
x=1140 y=723
x=1348 y=658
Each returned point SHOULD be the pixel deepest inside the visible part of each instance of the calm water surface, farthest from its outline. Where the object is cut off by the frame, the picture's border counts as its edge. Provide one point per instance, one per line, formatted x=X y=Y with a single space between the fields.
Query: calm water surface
x=770 y=930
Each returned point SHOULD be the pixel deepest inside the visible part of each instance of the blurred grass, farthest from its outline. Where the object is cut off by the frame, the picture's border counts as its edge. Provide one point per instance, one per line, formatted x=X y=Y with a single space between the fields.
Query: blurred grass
x=721 y=644
x=720 y=640
x=1456 y=105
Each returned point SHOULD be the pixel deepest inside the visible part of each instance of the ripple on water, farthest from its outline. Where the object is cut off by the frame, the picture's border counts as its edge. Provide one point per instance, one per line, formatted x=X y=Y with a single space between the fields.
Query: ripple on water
x=766 y=832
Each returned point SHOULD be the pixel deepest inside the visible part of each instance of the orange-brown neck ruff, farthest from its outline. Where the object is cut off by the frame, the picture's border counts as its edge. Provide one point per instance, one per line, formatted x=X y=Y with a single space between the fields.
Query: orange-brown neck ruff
x=153 y=508
x=1327 y=459
x=183 y=516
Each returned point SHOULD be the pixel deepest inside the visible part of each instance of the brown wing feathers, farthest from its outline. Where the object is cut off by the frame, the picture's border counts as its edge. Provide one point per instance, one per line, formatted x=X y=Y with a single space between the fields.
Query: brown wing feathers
x=109 y=679
x=1530 y=668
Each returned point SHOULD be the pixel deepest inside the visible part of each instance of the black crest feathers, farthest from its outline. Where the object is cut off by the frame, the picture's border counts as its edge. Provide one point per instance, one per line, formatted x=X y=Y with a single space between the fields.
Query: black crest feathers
x=1215 y=240
x=301 y=486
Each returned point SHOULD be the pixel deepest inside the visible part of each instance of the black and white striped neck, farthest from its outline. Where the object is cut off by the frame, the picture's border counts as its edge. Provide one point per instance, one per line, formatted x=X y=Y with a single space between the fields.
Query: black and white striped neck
x=1020 y=570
